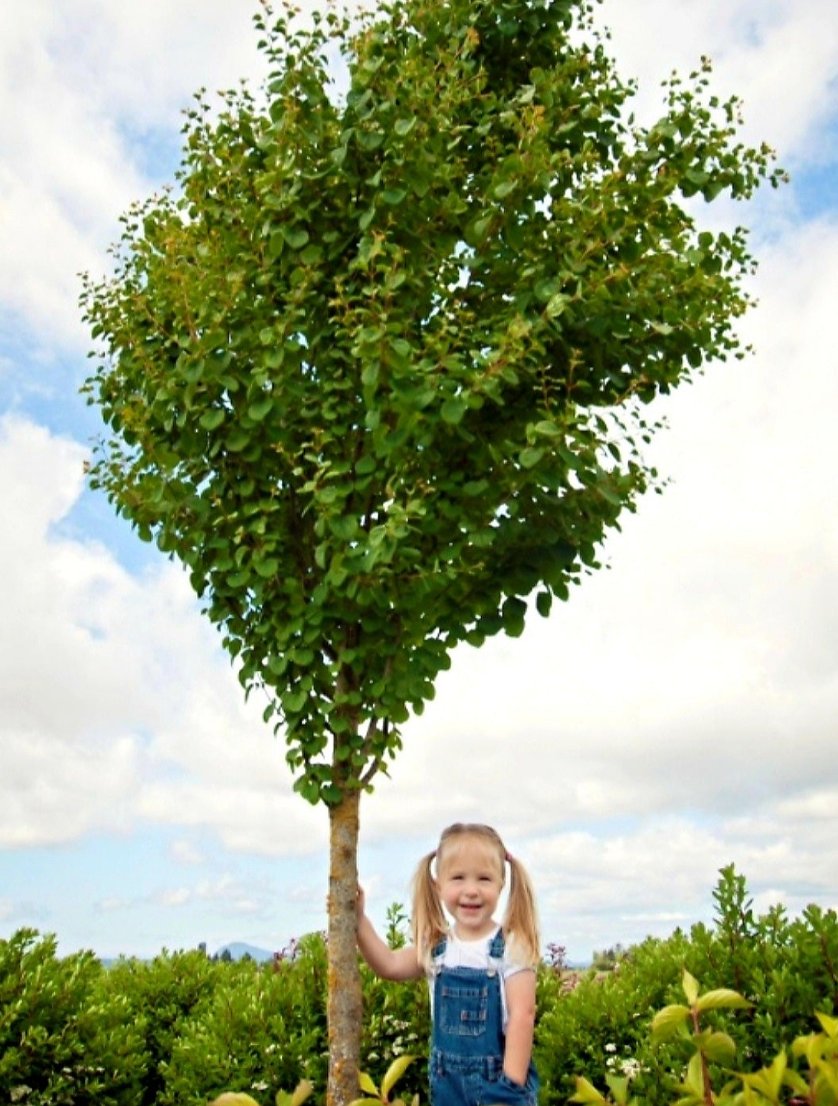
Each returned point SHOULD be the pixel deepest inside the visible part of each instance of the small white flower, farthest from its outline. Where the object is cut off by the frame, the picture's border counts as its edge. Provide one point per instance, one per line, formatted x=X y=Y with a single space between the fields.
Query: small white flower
x=610 y=1047
x=630 y=1067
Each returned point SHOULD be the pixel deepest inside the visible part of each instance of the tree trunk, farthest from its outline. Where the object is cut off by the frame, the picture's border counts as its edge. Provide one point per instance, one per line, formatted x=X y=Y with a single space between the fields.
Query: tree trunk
x=344 y=1003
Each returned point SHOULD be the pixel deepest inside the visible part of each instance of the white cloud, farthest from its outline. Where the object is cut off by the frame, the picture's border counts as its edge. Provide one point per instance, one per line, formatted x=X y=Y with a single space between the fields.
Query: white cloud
x=186 y=852
x=228 y=892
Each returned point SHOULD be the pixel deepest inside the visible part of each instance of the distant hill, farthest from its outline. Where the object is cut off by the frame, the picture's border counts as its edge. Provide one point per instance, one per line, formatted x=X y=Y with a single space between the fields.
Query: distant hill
x=240 y=949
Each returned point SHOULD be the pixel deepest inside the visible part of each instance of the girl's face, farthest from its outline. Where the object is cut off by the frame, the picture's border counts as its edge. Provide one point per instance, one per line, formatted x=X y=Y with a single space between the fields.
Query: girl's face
x=469 y=881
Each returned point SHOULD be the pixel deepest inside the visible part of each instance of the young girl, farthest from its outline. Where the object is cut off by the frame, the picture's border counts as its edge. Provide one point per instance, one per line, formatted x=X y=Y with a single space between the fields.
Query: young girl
x=481 y=975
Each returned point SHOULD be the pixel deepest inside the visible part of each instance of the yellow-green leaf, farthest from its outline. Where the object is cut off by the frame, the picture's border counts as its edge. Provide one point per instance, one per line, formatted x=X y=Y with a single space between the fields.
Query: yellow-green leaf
x=690 y=985
x=587 y=1092
x=721 y=999
x=366 y=1084
x=302 y=1091
x=667 y=1022
x=394 y=1074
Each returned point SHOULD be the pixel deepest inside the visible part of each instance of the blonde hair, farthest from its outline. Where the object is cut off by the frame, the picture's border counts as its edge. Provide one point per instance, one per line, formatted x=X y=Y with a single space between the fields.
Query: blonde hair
x=520 y=922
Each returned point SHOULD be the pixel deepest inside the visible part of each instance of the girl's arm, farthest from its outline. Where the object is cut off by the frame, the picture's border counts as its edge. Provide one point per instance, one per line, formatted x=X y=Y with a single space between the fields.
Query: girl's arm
x=520 y=1025
x=398 y=964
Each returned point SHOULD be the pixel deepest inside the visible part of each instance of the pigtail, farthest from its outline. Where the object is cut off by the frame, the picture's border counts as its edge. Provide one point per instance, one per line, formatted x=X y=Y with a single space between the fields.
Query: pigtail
x=520 y=922
x=428 y=925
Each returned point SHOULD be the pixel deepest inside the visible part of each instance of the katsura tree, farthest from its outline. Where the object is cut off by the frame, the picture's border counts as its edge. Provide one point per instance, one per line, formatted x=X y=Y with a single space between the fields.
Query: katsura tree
x=377 y=369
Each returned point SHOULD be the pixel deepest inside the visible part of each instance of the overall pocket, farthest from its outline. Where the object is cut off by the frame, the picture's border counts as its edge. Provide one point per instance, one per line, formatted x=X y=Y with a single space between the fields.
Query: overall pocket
x=463 y=1008
x=503 y=1092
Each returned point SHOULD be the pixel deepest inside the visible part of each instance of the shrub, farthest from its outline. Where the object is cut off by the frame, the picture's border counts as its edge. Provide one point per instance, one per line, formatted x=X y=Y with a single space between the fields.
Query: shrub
x=260 y=1030
x=785 y=968
x=161 y=996
x=804 y=1075
x=60 y=1040
x=396 y=1018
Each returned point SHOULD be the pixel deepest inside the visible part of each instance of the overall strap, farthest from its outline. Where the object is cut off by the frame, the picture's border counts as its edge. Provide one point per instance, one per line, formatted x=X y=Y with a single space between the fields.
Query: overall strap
x=497 y=947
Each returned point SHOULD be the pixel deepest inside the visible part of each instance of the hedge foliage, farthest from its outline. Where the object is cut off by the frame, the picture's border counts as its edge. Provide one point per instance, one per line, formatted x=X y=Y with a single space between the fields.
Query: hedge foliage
x=181 y=1028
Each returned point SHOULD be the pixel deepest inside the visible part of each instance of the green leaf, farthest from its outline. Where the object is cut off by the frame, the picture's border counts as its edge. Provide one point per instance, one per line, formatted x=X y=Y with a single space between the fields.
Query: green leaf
x=543 y=603
x=296 y=237
x=694 y=1080
x=476 y=233
x=267 y=567
x=393 y=196
x=513 y=613
x=370 y=140
x=237 y=439
x=294 y=701
x=260 y=409
x=473 y=488
x=370 y=373
x=547 y=429
x=403 y=127
x=556 y=305
x=796 y=1083
x=213 y=418
x=452 y=410
x=312 y=254
x=530 y=456
x=504 y=188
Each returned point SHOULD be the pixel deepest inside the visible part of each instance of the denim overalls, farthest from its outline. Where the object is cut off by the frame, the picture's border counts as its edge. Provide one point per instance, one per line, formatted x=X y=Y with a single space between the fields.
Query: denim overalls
x=467 y=1042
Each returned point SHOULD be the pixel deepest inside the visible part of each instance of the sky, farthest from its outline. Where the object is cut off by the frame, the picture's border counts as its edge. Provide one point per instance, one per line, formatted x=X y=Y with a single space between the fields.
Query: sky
x=678 y=714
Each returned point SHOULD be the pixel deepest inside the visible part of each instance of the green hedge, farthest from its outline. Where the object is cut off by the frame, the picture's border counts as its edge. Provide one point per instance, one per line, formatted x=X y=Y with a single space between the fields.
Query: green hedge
x=180 y=1029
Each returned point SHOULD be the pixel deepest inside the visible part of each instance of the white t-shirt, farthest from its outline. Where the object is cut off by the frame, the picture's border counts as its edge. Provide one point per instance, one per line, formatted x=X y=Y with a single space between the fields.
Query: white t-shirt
x=475 y=954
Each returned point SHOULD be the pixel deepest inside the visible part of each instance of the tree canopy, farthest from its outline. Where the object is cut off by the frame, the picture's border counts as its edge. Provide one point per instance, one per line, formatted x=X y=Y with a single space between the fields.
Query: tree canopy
x=376 y=369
